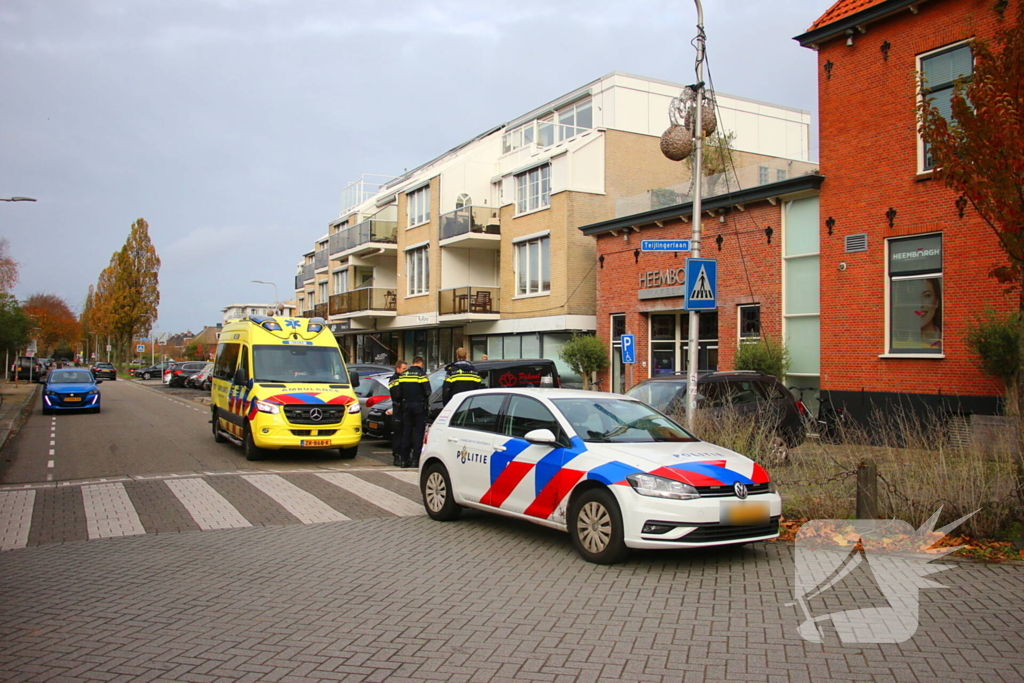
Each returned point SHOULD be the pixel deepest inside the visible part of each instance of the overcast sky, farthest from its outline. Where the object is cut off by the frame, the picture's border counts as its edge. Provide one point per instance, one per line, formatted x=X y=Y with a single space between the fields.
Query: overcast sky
x=231 y=126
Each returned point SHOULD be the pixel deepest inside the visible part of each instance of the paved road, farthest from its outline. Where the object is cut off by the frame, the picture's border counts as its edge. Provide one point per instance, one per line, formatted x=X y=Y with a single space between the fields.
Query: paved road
x=328 y=571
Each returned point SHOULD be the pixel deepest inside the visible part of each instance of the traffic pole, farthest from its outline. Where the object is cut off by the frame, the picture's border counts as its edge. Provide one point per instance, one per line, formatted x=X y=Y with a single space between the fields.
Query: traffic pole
x=696 y=182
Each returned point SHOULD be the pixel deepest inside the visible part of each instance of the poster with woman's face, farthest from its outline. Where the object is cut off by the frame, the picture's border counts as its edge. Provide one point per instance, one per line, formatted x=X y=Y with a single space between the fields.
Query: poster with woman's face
x=917 y=314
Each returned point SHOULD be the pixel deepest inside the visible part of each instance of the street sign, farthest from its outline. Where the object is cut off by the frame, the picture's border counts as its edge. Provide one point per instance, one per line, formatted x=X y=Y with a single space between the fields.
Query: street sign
x=664 y=245
x=143 y=338
x=140 y=348
x=701 y=284
x=108 y=347
x=628 y=348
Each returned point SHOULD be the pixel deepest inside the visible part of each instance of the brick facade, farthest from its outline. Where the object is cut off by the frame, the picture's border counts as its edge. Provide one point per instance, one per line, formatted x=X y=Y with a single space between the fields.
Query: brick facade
x=870 y=157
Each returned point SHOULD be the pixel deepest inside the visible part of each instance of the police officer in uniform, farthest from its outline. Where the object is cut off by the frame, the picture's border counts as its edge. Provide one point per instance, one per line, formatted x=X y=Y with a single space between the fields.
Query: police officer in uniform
x=397 y=423
x=460 y=376
x=414 y=389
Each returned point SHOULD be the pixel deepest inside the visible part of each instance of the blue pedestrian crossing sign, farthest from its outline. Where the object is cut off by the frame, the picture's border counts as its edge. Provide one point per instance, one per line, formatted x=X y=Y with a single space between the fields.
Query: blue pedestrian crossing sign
x=628 y=348
x=701 y=284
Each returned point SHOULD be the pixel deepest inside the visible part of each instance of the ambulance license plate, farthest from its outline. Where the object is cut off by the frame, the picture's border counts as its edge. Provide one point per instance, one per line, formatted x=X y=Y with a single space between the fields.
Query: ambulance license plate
x=743 y=513
x=315 y=443
x=69 y=399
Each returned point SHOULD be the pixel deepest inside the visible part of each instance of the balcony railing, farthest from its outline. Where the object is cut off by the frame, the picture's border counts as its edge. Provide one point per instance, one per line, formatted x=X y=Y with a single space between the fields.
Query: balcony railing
x=320 y=310
x=371 y=230
x=479 y=219
x=365 y=299
x=320 y=259
x=306 y=273
x=308 y=314
x=468 y=300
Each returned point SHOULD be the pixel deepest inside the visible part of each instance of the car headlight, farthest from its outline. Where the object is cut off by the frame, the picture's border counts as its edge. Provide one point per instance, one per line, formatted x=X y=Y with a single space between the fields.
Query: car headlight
x=353 y=407
x=50 y=393
x=265 y=407
x=93 y=392
x=661 y=487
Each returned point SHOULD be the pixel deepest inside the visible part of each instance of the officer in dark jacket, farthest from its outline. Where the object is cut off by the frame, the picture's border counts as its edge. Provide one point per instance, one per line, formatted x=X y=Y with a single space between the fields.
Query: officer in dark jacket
x=397 y=423
x=460 y=376
x=414 y=389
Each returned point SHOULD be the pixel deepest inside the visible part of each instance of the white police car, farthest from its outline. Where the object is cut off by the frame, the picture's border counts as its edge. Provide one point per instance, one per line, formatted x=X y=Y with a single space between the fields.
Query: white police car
x=612 y=471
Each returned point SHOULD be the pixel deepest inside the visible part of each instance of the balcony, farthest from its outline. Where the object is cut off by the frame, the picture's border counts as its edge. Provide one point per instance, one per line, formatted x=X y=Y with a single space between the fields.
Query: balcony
x=320 y=259
x=305 y=274
x=474 y=227
x=308 y=314
x=472 y=303
x=320 y=311
x=370 y=233
x=365 y=299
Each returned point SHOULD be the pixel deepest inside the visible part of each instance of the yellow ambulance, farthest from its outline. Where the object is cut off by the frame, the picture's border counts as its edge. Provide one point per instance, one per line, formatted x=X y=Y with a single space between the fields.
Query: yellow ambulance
x=282 y=383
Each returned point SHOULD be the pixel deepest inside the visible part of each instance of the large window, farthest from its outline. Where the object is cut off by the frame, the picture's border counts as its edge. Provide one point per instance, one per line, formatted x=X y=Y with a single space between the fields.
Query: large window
x=533 y=266
x=669 y=336
x=939 y=72
x=750 y=321
x=915 y=294
x=418 y=206
x=340 y=281
x=417 y=270
x=575 y=119
x=323 y=291
x=533 y=189
x=555 y=127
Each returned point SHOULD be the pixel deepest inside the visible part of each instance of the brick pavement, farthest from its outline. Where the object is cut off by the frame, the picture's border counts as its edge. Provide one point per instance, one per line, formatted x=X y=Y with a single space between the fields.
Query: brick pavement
x=481 y=599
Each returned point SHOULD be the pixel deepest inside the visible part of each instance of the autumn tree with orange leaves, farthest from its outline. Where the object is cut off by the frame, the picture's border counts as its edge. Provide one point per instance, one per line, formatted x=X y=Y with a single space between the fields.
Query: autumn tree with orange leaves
x=979 y=152
x=53 y=322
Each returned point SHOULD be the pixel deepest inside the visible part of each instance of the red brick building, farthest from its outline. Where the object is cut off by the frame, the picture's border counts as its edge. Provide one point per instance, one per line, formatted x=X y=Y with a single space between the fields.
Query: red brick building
x=904 y=261
x=765 y=240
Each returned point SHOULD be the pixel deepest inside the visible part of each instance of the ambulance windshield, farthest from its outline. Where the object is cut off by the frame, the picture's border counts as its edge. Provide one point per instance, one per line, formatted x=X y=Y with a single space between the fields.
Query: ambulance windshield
x=287 y=363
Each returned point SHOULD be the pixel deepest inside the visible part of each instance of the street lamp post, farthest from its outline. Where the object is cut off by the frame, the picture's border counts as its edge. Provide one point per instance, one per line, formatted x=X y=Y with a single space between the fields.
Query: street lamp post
x=17 y=199
x=277 y=301
x=698 y=135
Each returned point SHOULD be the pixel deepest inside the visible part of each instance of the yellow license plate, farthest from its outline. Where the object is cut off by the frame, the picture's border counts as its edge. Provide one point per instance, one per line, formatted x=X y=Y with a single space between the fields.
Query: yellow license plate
x=743 y=512
x=373 y=425
x=69 y=399
x=315 y=443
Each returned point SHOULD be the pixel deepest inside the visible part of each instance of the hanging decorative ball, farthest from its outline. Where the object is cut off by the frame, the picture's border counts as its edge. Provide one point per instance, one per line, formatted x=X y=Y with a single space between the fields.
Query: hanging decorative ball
x=676 y=143
x=708 y=120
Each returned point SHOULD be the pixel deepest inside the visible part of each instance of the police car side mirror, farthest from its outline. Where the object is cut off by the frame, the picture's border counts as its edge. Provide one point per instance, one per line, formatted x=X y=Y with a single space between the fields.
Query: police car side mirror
x=544 y=437
x=240 y=377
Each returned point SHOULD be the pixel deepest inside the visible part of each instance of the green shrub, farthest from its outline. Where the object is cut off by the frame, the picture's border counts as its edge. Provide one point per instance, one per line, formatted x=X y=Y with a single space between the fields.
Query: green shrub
x=994 y=339
x=764 y=356
x=585 y=354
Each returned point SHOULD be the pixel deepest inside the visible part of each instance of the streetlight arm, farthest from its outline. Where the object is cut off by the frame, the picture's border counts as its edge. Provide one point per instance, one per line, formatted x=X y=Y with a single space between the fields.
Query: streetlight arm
x=17 y=199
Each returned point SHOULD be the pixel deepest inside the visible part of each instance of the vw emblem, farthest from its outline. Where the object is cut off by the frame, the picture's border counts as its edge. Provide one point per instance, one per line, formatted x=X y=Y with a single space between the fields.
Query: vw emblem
x=316 y=415
x=740 y=489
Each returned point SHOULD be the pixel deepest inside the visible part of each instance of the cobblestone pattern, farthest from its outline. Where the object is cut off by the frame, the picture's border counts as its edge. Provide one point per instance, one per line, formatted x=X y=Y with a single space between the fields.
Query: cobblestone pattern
x=482 y=599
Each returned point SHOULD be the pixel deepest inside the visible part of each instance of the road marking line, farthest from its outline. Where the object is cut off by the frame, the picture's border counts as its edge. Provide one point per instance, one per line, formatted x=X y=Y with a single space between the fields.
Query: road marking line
x=305 y=506
x=52 y=451
x=208 y=508
x=15 y=518
x=49 y=463
x=410 y=477
x=110 y=512
x=53 y=443
x=378 y=495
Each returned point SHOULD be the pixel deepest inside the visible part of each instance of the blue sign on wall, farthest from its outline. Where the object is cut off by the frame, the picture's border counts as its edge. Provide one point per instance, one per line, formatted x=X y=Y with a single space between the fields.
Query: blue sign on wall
x=664 y=245
x=628 y=348
x=701 y=284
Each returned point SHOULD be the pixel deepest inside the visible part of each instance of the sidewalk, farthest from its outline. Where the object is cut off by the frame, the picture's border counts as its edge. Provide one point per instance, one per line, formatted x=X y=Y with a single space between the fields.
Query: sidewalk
x=18 y=401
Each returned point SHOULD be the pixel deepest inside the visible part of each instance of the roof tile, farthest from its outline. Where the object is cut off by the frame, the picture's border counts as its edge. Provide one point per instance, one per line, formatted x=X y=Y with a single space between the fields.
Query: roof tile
x=842 y=9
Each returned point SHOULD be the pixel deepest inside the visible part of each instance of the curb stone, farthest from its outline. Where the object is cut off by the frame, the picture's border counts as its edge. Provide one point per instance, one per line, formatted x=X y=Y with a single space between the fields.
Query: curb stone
x=23 y=412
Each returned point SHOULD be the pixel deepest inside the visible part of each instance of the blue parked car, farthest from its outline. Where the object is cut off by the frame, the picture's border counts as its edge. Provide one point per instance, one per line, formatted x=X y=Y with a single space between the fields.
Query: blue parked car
x=71 y=389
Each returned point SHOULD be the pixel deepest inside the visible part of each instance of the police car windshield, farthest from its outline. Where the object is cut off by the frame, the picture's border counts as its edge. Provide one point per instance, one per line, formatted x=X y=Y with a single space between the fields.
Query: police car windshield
x=612 y=420
x=287 y=363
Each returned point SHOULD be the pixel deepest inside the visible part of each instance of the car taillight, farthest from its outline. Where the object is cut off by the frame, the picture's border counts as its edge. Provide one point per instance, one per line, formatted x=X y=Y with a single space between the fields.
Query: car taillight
x=374 y=400
x=177 y=372
x=801 y=408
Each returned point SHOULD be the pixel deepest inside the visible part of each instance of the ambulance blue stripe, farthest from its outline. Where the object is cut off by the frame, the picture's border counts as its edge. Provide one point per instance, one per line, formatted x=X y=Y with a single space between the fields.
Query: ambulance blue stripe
x=612 y=472
x=723 y=475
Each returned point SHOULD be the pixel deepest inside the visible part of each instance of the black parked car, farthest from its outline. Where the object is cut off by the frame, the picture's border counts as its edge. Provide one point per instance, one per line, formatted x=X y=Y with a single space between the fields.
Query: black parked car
x=103 y=370
x=179 y=372
x=746 y=391
x=512 y=372
x=152 y=371
x=201 y=380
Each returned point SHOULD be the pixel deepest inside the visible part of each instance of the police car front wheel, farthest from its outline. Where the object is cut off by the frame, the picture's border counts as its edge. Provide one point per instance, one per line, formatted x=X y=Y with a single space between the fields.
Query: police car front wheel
x=595 y=524
x=436 y=487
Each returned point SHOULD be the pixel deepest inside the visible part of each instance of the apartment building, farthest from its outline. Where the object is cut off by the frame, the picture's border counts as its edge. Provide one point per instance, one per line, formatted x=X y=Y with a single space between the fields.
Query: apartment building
x=234 y=311
x=479 y=247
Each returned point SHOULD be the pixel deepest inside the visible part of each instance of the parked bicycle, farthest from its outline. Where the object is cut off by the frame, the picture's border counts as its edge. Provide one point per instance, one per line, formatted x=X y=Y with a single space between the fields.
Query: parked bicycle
x=831 y=423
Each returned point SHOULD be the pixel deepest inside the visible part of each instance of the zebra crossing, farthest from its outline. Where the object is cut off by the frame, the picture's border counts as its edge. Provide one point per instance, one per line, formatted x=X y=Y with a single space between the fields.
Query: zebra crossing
x=67 y=511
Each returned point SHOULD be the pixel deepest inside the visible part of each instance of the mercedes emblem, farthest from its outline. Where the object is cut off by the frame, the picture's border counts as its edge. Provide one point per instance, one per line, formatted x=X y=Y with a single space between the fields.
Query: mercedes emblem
x=316 y=415
x=740 y=489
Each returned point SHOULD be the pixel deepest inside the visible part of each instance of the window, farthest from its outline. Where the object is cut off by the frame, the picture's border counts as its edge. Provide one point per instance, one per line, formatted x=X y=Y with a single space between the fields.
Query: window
x=669 y=335
x=227 y=359
x=575 y=119
x=762 y=175
x=533 y=189
x=750 y=321
x=417 y=270
x=463 y=200
x=533 y=266
x=915 y=294
x=418 y=206
x=939 y=72
x=340 y=281
x=323 y=292
x=780 y=174
x=479 y=413
x=525 y=415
